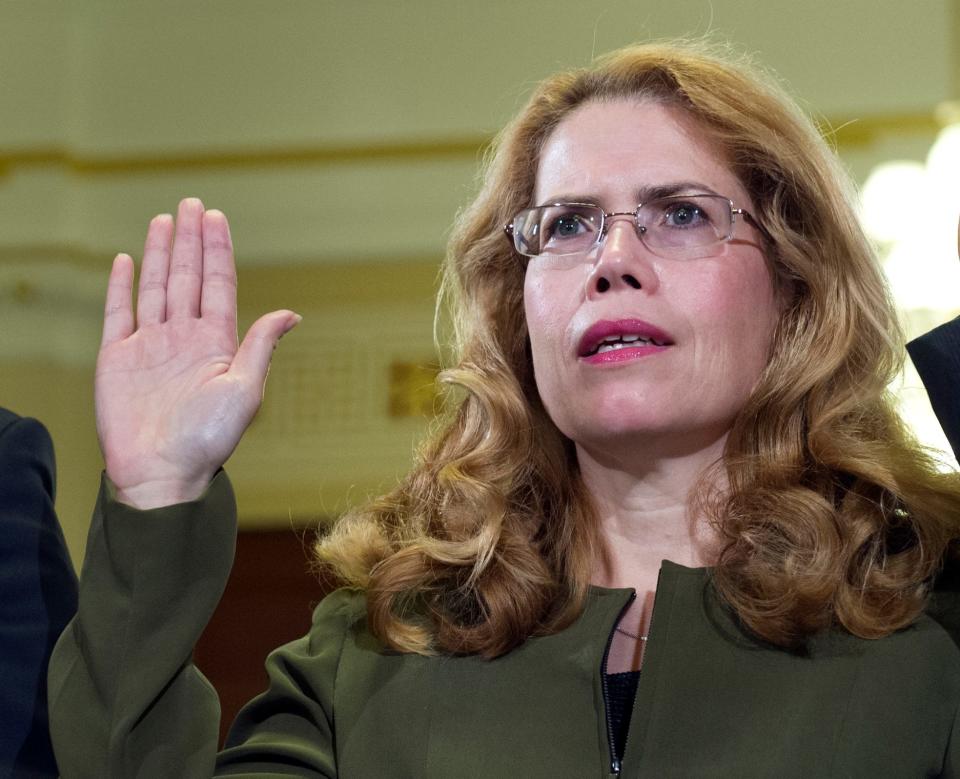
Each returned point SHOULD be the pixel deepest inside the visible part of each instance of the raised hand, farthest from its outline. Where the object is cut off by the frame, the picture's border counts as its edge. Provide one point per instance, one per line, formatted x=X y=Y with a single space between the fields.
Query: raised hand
x=174 y=391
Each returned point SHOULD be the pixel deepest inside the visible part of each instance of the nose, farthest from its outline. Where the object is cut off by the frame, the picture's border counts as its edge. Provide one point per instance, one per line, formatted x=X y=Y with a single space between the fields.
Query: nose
x=622 y=261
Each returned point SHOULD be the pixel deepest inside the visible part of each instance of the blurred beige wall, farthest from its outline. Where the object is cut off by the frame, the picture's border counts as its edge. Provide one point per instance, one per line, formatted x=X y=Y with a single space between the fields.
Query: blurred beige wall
x=340 y=138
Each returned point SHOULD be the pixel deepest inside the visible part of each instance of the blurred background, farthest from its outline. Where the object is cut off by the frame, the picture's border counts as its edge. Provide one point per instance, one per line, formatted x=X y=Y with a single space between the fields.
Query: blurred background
x=341 y=138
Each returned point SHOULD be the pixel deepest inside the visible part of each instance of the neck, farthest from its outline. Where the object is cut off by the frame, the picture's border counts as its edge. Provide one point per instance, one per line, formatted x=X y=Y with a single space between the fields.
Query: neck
x=644 y=513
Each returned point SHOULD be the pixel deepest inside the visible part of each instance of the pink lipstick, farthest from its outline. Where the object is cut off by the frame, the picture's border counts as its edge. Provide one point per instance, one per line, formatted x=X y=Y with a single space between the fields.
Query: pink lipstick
x=620 y=340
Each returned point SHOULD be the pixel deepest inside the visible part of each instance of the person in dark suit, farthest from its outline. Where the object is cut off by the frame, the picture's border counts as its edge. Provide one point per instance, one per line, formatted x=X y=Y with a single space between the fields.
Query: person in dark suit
x=38 y=594
x=936 y=356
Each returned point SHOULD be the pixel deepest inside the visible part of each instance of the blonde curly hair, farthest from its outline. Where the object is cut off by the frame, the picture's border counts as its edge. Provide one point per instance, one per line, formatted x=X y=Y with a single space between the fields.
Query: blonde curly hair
x=831 y=514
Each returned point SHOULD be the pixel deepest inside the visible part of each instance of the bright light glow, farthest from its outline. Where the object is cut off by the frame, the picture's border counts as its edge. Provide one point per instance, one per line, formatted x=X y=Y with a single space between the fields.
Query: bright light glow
x=924 y=273
x=943 y=165
x=889 y=199
x=911 y=210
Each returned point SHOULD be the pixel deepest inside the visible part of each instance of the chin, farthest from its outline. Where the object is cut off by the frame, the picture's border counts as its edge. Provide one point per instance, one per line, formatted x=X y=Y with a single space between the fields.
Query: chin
x=638 y=428
x=603 y=411
x=618 y=429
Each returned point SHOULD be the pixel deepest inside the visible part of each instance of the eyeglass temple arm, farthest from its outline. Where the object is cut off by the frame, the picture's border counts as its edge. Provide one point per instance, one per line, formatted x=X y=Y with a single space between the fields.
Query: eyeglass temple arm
x=748 y=217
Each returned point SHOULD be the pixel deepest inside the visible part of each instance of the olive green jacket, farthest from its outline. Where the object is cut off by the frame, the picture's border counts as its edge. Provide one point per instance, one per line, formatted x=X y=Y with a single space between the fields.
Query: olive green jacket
x=125 y=700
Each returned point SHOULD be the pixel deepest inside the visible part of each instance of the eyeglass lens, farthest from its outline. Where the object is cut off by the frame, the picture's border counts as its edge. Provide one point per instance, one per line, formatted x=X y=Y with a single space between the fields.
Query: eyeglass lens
x=673 y=225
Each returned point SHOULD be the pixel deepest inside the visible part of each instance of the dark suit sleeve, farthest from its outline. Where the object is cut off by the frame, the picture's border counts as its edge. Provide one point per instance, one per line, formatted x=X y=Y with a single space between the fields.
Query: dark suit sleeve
x=39 y=593
x=936 y=356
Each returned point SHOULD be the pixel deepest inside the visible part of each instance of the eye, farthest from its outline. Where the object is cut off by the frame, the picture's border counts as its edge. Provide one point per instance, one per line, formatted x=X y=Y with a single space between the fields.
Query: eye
x=568 y=228
x=684 y=215
x=564 y=225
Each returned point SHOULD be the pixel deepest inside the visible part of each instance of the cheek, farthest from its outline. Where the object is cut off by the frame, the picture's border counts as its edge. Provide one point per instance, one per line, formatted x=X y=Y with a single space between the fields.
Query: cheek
x=745 y=317
x=549 y=305
x=735 y=311
x=534 y=306
x=550 y=302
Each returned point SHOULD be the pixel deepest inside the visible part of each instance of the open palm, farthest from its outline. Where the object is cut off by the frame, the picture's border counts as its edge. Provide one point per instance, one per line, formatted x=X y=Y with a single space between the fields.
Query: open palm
x=174 y=390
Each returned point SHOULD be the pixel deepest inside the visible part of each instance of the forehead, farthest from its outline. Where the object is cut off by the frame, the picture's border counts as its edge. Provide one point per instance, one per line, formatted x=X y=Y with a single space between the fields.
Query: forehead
x=613 y=150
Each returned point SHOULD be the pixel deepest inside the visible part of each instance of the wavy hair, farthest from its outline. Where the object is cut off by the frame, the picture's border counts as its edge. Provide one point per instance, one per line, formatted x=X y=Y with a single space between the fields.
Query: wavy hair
x=831 y=513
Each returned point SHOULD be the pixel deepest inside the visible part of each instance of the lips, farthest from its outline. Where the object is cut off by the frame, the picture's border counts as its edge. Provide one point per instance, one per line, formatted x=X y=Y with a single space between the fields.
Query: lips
x=632 y=335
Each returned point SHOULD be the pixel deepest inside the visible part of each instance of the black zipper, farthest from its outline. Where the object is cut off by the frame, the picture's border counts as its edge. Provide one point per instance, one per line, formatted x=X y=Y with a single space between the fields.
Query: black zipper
x=615 y=762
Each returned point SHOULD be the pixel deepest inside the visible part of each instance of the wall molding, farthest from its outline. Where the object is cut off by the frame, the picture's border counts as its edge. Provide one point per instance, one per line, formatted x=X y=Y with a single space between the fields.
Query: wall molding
x=82 y=163
x=843 y=132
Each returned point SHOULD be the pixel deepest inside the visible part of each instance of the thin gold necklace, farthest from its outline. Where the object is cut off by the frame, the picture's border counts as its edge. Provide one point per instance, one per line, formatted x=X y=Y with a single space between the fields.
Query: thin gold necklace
x=632 y=635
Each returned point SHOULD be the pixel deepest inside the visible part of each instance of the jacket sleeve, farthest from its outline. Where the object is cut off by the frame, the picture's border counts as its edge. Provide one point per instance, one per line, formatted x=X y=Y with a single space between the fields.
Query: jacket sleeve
x=125 y=698
x=288 y=730
x=936 y=356
x=39 y=594
x=951 y=762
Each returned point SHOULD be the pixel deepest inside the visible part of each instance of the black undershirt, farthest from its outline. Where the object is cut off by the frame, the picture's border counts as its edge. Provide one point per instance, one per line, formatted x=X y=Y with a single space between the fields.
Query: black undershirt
x=622 y=689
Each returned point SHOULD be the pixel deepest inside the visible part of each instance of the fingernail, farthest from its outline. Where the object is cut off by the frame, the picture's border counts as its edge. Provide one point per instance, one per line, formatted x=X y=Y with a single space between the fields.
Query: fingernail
x=295 y=320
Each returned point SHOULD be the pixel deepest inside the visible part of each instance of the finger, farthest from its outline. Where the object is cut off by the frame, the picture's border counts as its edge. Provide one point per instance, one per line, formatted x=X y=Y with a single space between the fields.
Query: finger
x=118 y=309
x=186 y=261
x=252 y=360
x=152 y=293
x=218 y=298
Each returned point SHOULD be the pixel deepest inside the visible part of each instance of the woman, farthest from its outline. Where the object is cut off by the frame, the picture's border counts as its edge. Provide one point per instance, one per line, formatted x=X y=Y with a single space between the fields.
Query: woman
x=698 y=379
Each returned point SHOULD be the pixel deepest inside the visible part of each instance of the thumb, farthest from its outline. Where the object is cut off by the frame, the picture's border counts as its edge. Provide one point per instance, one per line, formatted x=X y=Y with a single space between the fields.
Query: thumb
x=252 y=360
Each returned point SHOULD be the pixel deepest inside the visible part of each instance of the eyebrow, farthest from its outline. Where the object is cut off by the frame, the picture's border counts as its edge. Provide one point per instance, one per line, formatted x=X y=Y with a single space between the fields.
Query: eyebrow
x=642 y=195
